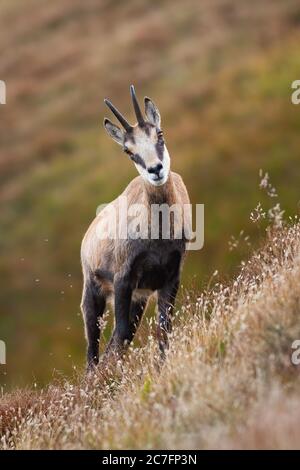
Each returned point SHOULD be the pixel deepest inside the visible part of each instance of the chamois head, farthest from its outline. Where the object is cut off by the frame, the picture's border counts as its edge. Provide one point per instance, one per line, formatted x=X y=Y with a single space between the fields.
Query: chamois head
x=143 y=142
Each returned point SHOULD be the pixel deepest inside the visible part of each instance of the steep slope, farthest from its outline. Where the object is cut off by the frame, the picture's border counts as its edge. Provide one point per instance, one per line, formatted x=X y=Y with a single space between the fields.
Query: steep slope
x=228 y=367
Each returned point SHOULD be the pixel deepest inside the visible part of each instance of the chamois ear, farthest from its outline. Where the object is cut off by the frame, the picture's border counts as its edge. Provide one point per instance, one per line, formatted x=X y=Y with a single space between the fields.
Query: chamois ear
x=152 y=112
x=114 y=131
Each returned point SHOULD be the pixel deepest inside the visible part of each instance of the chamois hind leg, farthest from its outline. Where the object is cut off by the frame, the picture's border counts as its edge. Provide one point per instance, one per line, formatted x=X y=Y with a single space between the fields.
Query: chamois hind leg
x=166 y=302
x=92 y=306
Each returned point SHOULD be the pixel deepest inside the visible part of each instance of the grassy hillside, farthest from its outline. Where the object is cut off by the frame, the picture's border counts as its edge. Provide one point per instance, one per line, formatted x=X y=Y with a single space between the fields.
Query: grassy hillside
x=228 y=381
x=220 y=72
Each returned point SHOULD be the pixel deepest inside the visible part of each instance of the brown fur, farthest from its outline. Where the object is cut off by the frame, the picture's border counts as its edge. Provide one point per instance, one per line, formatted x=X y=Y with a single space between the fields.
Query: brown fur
x=109 y=255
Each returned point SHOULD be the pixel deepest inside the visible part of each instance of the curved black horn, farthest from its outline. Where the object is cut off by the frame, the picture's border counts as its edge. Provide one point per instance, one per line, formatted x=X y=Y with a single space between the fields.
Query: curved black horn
x=137 y=110
x=118 y=115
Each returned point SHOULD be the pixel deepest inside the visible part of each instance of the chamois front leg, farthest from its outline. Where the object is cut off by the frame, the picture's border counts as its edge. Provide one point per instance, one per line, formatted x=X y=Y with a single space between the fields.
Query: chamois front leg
x=122 y=334
x=166 y=302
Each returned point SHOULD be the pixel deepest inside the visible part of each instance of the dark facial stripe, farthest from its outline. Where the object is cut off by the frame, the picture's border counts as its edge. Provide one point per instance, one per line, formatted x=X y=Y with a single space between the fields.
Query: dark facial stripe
x=160 y=147
x=136 y=158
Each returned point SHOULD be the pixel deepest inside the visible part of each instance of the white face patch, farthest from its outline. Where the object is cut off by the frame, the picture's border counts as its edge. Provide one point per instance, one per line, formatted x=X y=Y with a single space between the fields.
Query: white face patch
x=150 y=155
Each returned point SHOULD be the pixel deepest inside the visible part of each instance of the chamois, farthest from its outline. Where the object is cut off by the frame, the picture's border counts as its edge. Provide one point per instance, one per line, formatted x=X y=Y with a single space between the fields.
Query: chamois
x=128 y=270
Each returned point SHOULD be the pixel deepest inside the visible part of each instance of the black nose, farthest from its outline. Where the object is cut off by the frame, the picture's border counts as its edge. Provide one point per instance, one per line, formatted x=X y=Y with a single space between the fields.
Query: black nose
x=155 y=169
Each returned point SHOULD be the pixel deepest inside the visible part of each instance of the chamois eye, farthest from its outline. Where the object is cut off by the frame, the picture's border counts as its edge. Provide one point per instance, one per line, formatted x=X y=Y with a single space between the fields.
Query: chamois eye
x=160 y=137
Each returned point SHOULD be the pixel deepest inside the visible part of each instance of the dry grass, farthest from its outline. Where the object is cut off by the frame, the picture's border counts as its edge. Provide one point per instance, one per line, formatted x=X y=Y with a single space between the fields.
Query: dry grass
x=227 y=382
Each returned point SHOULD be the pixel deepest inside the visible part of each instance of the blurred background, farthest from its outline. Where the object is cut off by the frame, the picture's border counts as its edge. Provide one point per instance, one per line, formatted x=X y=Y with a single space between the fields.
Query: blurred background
x=220 y=72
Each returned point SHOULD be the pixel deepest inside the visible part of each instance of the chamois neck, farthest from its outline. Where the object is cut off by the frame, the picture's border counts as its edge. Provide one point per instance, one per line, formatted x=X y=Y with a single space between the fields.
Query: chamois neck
x=164 y=194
